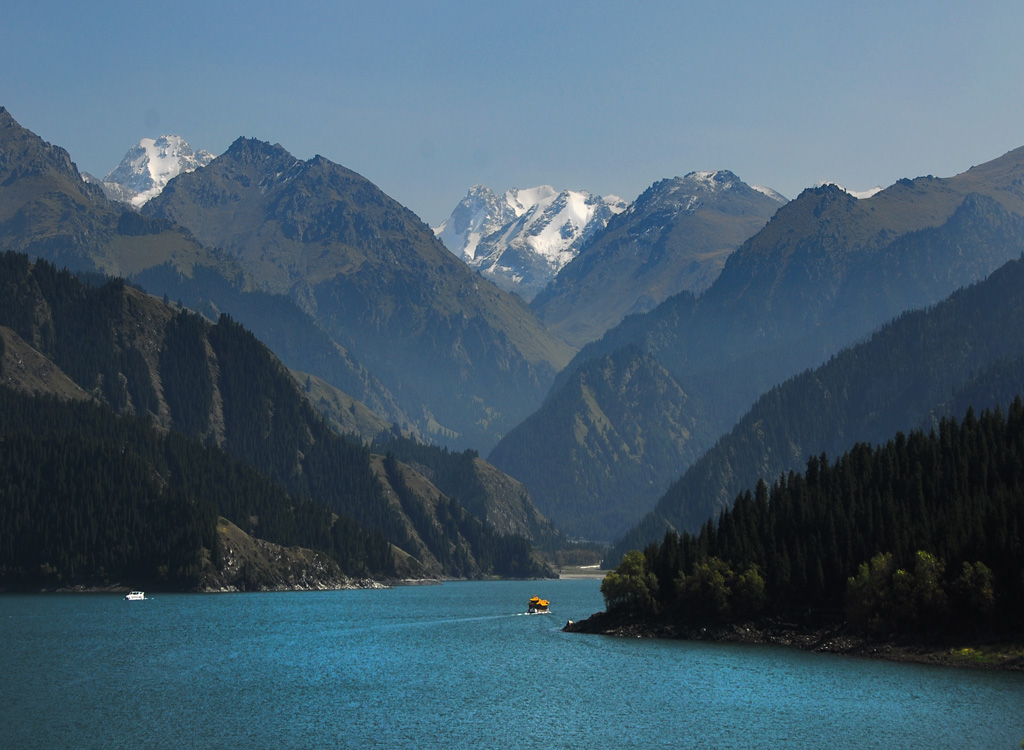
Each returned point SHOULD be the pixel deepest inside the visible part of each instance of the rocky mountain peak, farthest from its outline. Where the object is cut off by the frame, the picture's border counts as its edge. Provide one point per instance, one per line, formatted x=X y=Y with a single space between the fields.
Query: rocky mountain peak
x=522 y=239
x=23 y=154
x=478 y=215
x=148 y=166
x=254 y=151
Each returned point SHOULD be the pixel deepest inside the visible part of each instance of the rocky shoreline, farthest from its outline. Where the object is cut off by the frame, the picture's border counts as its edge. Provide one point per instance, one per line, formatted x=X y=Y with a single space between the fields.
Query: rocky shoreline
x=822 y=635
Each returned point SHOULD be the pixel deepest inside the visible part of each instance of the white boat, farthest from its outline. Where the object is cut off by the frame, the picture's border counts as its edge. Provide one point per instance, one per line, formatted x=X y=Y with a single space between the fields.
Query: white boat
x=134 y=596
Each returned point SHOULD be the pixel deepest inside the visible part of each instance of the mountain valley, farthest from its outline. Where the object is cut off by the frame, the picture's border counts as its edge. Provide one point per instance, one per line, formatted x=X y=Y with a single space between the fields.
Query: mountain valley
x=626 y=369
x=825 y=272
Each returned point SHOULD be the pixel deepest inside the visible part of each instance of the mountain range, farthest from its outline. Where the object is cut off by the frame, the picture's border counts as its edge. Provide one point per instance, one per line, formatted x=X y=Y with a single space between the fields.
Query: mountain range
x=465 y=358
x=393 y=313
x=825 y=271
x=687 y=306
x=674 y=237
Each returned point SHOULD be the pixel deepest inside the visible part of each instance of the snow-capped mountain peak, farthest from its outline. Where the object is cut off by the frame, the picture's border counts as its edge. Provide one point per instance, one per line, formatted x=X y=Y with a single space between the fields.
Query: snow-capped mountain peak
x=720 y=179
x=478 y=215
x=147 y=167
x=689 y=193
x=522 y=201
x=523 y=239
x=773 y=194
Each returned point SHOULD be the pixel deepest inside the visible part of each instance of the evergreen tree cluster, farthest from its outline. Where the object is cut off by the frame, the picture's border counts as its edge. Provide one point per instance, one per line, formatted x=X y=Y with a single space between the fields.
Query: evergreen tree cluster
x=924 y=532
x=87 y=497
x=452 y=472
x=185 y=374
x=74 y=324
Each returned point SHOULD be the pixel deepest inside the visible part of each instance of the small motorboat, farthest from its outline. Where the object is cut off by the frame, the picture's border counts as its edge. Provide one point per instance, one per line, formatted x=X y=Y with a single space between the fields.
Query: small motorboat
x=135 y=596
x=537 y=606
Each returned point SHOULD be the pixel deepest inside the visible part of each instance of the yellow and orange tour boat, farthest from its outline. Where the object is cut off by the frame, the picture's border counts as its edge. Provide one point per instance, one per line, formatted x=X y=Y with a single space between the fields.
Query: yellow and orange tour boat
x=537 y=606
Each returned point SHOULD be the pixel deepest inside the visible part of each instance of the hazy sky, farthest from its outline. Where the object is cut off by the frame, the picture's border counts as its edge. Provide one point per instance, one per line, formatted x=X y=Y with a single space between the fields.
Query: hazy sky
x=427 y=98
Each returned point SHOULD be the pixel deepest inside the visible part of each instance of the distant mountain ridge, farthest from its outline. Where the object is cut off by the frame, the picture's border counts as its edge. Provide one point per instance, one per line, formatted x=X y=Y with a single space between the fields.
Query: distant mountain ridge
x=524 y=238
x=966 y=351
x=48 y=210
x=674 y=237
x=824 y=272
x=465 y=359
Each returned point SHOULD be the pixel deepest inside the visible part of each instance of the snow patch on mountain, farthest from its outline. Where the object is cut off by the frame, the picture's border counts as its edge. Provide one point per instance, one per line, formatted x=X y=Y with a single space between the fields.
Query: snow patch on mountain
x=524 y=238
x=478 y=215
x=147 y=168
x=773 y=194
x=858 y=194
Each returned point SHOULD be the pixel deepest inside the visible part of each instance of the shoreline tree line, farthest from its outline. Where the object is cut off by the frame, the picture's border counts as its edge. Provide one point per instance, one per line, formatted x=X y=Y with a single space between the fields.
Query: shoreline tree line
x=921 y=534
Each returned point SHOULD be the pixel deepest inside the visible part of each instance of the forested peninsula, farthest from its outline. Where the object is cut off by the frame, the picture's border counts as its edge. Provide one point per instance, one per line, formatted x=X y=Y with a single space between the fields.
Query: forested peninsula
x=909 y=550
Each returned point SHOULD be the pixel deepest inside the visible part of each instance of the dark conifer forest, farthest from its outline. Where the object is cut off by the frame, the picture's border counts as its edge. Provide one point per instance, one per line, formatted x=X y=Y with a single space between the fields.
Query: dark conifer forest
x=921 y=534
x=103 y=492
x=89 y=498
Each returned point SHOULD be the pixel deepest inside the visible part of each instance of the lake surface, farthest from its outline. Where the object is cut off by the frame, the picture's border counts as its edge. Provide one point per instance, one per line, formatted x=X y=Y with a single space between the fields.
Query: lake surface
x=452 y=666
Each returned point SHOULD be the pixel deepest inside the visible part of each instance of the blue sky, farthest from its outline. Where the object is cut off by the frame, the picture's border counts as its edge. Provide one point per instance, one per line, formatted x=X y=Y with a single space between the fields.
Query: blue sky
x=428 y=98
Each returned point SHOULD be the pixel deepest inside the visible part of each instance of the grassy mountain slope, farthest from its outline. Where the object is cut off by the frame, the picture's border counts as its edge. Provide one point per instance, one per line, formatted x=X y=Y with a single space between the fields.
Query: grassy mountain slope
x=616 y=431
x=477 y=485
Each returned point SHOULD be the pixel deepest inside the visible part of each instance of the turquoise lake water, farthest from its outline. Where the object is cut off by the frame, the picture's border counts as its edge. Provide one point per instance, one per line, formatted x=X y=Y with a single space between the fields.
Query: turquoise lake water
x=452 y=666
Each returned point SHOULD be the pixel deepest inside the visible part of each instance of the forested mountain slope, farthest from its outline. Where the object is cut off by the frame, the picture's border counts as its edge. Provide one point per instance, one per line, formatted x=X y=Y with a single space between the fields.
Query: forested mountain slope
x=966 y=351
x=825 y=272
x=89 y=498
x=217 y=384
